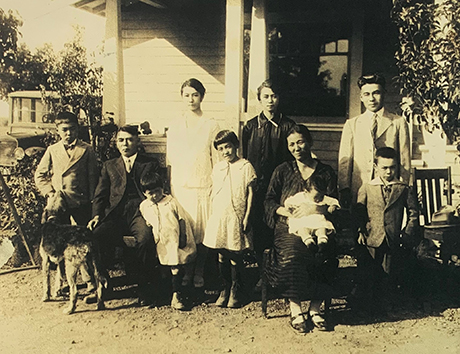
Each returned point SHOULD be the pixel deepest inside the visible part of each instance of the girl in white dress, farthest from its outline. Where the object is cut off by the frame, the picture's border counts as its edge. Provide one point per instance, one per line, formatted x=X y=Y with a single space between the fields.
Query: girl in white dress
x=231 y=201
x=171 y=228
x=314 y=228
x=191 y=157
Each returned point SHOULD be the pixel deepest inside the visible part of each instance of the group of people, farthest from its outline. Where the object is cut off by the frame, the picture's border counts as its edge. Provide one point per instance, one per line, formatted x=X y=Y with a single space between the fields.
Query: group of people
x=277 y=196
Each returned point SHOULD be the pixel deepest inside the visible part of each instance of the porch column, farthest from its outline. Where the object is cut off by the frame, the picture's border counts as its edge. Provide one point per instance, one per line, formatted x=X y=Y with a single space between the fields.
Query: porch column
x=234 y=26
x=114 y=92
x=356 y=64
x=258 y=55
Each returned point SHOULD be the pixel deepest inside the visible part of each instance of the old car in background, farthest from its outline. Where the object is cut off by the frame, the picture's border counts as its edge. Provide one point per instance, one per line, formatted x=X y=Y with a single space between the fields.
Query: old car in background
x=30 y=117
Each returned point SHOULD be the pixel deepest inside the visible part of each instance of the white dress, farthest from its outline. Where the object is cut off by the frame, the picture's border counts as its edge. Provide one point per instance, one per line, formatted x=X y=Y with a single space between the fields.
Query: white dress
x=229 y=199
x=191 y=155
x=164 y=218
x=312 y=222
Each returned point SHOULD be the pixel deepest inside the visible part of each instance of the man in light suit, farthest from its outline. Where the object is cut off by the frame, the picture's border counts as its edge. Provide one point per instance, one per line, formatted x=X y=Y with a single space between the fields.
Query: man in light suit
x=116 y=208
x=364 y=134
x=382 y=203
x=70 y=168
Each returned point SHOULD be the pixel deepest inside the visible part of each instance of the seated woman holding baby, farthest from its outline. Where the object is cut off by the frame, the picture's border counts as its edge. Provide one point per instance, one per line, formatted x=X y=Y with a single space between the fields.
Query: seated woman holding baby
x=302 y=263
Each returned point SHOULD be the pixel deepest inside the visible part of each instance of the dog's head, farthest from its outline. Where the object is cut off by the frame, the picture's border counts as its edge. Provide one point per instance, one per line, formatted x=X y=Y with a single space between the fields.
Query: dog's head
x=55 y=208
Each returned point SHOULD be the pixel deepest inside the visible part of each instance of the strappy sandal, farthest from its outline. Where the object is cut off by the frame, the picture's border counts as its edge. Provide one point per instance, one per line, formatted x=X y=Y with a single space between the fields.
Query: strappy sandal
x=319 y=322
x=300 y=327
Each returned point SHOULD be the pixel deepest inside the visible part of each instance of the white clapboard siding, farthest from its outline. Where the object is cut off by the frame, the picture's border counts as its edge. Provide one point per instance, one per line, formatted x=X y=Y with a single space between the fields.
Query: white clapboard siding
x=160 y=51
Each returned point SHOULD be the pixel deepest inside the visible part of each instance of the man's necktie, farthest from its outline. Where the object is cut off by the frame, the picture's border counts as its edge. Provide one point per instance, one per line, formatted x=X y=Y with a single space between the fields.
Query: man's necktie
x=374 y=127
x=129 y=165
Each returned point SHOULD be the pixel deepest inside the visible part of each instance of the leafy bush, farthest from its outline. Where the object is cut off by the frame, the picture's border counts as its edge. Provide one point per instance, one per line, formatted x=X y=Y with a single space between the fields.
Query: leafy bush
x=428 y=59
x=29 y=204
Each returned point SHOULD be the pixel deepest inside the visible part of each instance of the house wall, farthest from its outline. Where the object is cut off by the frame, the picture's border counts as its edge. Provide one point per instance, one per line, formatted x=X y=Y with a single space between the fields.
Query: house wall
x=163 y=48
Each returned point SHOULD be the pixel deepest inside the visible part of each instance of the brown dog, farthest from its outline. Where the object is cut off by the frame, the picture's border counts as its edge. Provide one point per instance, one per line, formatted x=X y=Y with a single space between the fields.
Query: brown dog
x=71 y=244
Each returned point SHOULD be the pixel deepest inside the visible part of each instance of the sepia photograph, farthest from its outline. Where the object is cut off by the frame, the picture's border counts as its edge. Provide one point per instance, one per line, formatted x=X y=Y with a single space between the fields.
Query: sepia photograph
x=230 y=176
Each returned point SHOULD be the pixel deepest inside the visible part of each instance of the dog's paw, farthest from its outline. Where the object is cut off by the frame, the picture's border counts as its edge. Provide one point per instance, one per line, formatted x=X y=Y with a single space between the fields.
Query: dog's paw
x=68 y=310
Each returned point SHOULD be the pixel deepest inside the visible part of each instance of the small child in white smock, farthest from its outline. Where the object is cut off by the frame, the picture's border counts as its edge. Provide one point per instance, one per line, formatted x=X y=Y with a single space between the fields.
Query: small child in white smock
x=171 y=228
x=314 y=228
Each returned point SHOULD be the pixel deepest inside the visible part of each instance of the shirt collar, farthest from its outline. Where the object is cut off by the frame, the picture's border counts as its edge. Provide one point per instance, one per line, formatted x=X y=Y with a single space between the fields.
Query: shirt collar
x=262 y=120
x=378 y=182
x=369 y=114
x=71 y=145
x=130 y=159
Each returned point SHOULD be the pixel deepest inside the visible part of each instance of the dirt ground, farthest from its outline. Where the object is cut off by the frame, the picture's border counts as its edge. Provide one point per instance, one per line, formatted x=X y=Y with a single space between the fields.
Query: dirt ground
x=28 y=325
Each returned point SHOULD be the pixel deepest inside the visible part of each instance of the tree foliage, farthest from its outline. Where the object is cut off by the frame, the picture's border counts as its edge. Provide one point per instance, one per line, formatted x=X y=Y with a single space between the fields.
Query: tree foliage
x=10 y=23
x=20 y=68
x=77 y=81
x=428 y=59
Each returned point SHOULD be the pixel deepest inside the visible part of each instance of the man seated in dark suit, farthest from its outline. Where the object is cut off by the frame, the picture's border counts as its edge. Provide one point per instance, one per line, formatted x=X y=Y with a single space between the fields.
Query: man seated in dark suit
x=116 y=208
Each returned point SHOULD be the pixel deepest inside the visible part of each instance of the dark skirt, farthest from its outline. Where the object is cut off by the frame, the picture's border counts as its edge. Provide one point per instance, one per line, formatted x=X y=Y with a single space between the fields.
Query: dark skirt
x=297 y=272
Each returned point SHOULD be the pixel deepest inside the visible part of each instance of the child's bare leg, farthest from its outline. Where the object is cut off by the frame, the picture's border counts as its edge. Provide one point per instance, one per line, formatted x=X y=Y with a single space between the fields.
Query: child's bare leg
x=322 y=239
x=321 y=235
x=307 y=238
x=225 y=275
x=176 y=301
x=236 y=261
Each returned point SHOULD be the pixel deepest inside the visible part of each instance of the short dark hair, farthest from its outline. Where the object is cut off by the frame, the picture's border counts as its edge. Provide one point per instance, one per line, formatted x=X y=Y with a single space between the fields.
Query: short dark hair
x=374 y=78
x=66 y=117
x=226 y=136
x=130 y=129
x=194 y=83
x=317 y=182
x=269 y=83
x=150 y=180
x=386 y=152
x=302 y=130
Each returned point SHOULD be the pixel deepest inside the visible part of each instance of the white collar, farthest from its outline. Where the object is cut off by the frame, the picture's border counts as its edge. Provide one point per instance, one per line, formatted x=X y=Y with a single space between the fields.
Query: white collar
x=377 y=181
x=131 y=159
x=369 y=114
x=71 y=145
x=270 y=120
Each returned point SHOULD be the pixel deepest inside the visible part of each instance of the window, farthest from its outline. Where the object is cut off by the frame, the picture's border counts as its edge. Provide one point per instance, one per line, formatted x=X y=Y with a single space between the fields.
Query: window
x=311 y=63
x=27 y=110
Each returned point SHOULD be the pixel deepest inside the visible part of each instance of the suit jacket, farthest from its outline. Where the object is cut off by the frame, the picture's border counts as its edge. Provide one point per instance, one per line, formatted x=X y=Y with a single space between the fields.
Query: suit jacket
x=112 y=183
x=75 y=176
x=356 y=153
x=384 y=220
